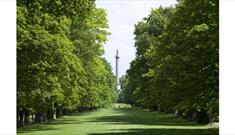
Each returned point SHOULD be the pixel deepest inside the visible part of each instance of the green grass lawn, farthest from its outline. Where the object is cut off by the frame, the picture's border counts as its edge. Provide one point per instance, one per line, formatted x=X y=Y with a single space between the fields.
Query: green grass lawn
x=111 y=121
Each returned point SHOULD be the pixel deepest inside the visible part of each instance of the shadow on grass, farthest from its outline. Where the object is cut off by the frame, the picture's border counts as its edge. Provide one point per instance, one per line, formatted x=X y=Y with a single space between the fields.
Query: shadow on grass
x=143 y=117
x=46 y=126
x=34 y=128
x=162 y=132
x=131 y=116
x=62 y=122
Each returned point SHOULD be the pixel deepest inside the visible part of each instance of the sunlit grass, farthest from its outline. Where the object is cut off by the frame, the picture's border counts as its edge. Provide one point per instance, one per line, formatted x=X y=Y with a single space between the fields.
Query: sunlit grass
x=119 y=121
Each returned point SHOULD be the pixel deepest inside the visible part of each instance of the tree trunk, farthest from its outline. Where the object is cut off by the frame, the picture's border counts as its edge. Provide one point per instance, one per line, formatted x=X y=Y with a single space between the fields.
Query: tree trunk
x=26 y=117
x=44 y=117
x=54 y=114
x=210 y=116
x=33 y=118
x=58 y=112
x=159 y=108
x=51 y=114
x=203 y=117
x=18 y=119
x=65 y=112
x=21 y=120
x=38 y=117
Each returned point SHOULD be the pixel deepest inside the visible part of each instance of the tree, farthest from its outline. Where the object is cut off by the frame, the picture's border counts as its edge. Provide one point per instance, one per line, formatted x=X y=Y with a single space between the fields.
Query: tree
x=59 y=64
x=176 y=66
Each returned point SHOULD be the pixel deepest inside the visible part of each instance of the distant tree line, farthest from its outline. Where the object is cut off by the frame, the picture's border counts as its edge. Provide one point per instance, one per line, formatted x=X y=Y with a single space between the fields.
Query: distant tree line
x=176 y=68
x=59 y=65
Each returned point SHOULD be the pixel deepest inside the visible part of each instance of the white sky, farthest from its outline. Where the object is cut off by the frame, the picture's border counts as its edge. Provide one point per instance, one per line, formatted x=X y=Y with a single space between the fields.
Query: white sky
x=122 y=15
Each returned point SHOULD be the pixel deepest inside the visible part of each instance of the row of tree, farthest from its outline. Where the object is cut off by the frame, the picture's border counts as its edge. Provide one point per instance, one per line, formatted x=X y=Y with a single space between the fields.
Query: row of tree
x=176 y=66
x=59 y=64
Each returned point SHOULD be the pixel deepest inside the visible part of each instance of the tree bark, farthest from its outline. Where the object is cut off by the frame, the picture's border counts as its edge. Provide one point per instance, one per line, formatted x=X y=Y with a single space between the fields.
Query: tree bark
x=21 y=120
x=33 y=118
x=26 y=117
x=51 y=114
x=38 y=117
x=58 y=112
x=18 y=119
x=203 y=117
x=44 y=117
x=210 y=115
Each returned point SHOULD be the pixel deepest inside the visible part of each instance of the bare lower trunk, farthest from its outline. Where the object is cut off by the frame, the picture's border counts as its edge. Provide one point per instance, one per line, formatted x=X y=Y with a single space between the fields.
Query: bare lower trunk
x=38 y=117
x=54 y=115
x=21 y=118
x=26 y=117
x=210 y=116
x=32 y=118
x=58 y=112
x=44 y=117
x=51 y=114
x=18 y=119
x=159 y=108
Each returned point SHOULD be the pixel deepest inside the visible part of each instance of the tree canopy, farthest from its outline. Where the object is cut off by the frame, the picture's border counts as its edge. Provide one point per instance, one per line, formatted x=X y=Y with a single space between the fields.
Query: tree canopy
x=59 y=58
x=176 y=65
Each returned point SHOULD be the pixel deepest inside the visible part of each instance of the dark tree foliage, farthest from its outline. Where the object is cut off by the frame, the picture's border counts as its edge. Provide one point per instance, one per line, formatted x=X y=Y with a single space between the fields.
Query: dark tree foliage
x=176 y=65
x=59 y=64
